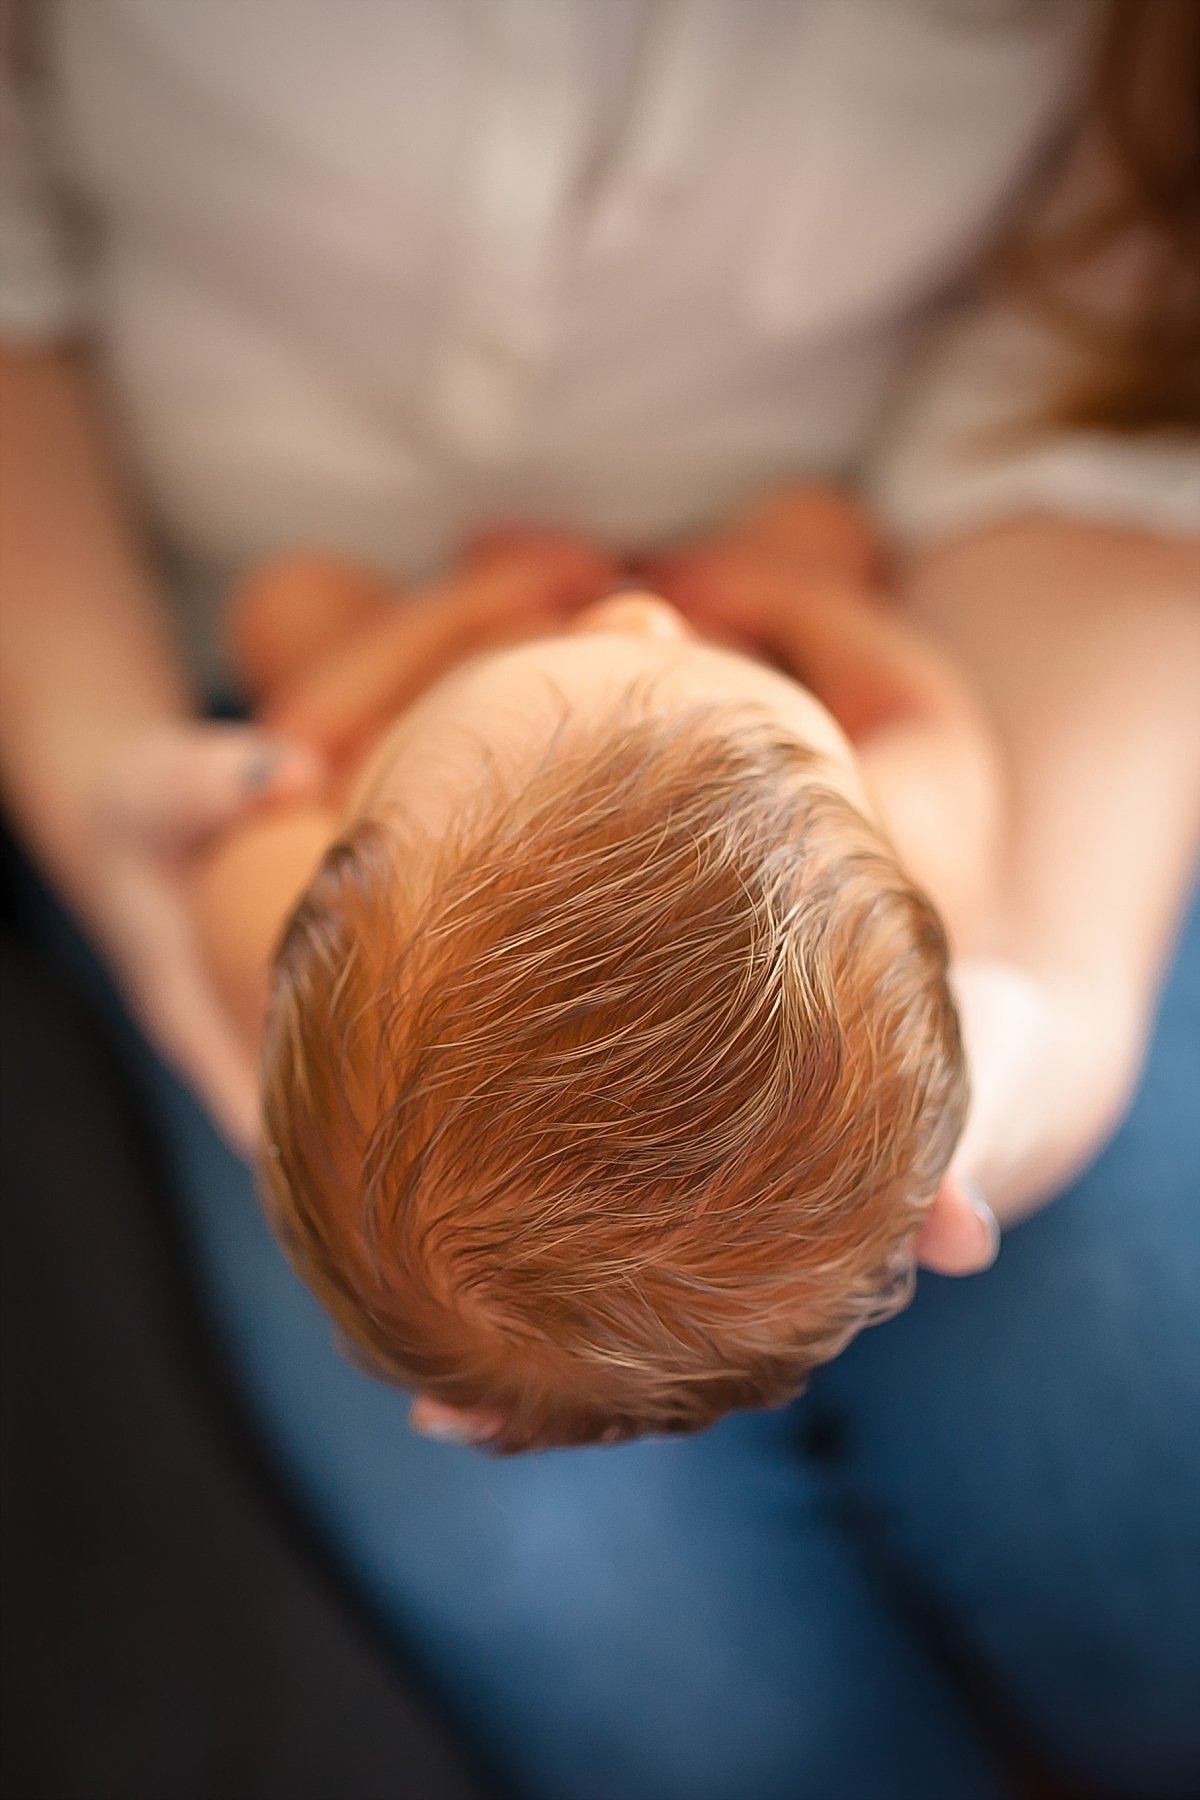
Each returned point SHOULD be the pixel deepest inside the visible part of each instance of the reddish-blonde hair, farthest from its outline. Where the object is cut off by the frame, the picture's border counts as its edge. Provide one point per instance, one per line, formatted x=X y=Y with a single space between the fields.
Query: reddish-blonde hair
x=620 y=1114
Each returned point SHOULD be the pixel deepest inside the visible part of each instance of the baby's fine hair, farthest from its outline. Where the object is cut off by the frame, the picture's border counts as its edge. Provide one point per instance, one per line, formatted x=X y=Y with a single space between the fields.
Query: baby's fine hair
x=621 y=1114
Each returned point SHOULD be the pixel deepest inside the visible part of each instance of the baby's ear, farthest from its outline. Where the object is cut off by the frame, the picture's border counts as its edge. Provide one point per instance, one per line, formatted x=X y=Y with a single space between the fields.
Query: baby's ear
x=959 y=1234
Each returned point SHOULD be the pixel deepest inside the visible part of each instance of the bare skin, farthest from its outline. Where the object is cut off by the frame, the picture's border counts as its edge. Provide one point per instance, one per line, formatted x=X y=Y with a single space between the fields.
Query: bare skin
x=1082 y=642
x=418 y=683
x=106 y=771
x=503 y=703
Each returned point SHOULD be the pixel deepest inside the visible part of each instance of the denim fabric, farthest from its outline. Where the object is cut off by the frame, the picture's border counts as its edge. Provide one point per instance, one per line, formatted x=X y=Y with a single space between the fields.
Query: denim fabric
x=996 y=1495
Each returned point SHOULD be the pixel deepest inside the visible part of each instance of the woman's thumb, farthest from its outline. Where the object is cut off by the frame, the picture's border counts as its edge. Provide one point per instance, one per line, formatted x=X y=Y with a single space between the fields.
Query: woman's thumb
x=176 y=786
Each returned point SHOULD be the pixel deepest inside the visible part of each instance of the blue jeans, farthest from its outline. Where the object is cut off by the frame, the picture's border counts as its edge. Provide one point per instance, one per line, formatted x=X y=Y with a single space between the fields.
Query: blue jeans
x=984 y=1517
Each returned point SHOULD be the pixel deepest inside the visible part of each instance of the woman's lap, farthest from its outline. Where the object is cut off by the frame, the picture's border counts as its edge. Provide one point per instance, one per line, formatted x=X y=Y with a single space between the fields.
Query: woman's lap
x=1025 y=1447
x=716 y=1616
x=676 y=1619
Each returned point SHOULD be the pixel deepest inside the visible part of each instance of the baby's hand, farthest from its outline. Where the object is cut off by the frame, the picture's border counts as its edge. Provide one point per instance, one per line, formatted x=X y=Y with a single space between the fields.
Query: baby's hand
x=534 y=548
x=814 y=533
x=830 y=633
x=926 y=750
x=505 y=592
x=772 y=580
x=817 y=530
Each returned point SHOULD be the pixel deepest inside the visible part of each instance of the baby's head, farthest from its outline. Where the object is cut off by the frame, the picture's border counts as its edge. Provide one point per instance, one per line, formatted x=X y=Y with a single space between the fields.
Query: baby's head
x=611 y=1064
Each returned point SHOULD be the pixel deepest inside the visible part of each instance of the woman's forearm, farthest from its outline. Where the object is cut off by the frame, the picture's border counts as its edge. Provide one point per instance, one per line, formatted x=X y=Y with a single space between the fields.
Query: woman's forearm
x=85 y=654
x=1084 y=643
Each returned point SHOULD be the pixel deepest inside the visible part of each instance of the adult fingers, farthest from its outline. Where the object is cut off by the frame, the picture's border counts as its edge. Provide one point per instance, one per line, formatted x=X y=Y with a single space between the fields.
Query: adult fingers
x=959 y=1234
x=174 y=787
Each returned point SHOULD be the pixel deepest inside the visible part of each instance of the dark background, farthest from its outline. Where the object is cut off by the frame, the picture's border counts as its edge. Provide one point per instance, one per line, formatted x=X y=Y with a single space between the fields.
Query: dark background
x=170 y=1629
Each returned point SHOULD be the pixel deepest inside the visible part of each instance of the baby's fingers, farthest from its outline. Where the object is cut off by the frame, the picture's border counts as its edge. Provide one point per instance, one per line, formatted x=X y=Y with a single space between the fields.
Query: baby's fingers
x=819 y=527
x=391 y=662
x=537 y=548
x=524 y=573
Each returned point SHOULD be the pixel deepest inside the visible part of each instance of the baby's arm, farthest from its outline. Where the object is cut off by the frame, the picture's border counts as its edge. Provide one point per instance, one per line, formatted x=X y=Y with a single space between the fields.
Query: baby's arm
x=335 y=673
x=926 y=751
x=242 y=893
x=516 y=583
x=289 y=618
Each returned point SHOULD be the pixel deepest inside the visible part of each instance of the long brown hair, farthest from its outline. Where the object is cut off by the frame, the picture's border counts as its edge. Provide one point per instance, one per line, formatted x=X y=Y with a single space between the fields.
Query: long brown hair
x=1143 y=118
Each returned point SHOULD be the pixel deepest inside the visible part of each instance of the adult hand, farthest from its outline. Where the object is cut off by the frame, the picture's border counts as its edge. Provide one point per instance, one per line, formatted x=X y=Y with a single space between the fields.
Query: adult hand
x=1051 y=1072
x=164 y=794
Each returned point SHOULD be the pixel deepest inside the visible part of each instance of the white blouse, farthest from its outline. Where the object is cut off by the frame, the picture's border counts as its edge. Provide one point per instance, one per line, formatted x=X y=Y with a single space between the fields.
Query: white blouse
x=365 y=272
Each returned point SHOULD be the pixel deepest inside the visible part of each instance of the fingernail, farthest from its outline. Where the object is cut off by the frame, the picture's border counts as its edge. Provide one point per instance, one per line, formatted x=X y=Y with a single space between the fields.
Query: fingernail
x=258 y=771
x=441 y=1429
x=442 y=1432
x=295 y=763
x=973 y=1195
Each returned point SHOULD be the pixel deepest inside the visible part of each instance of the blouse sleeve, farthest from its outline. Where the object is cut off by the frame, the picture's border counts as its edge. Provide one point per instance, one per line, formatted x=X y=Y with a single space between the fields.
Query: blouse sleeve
x=43 y=279
x=964 y=447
